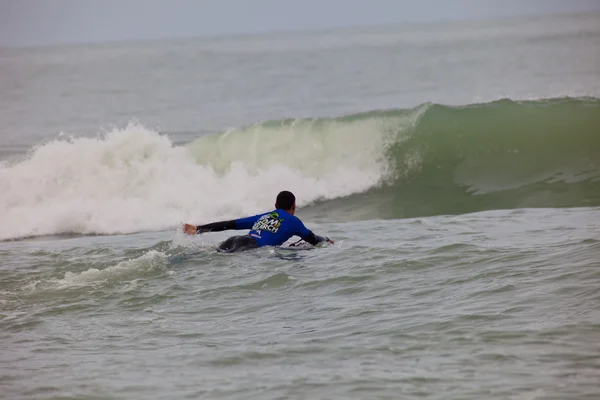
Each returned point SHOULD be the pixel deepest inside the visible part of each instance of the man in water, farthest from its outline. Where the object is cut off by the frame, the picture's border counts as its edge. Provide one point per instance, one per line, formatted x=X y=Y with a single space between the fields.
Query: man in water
x=268 y=229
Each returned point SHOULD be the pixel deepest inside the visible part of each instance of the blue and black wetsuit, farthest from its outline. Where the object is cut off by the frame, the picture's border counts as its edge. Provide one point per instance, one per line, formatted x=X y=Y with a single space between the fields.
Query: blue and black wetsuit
x=269 y=229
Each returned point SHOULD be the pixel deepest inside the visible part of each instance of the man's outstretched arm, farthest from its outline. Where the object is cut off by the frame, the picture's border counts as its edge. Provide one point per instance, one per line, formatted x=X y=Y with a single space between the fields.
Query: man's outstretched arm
x=315 y=239
x=307 y=235
x=212 y=227
x=241 y=223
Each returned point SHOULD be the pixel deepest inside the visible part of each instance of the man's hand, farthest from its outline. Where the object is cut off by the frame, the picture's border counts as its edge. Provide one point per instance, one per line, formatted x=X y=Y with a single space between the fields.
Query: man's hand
x=189 y=229
x=330 y=241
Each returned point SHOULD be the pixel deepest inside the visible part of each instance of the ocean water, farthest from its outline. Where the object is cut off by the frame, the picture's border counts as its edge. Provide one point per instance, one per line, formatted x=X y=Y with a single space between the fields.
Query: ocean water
x=455 y=164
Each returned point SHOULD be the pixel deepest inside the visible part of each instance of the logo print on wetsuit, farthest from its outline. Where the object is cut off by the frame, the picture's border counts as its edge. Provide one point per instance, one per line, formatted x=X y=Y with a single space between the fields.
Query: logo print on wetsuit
x=270 y=222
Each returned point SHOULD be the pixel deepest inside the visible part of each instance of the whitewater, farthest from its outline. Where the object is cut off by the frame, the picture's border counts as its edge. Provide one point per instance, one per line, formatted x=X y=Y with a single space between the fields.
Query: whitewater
x=134 y=180
x=455 y=164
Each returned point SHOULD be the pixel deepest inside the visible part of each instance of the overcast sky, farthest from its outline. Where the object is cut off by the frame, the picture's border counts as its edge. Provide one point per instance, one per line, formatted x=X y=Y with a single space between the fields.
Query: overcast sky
x=40 y=22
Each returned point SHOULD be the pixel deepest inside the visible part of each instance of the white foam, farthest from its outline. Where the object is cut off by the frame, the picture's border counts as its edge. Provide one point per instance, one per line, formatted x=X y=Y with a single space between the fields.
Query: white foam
x=133 y=267
x=134 y=179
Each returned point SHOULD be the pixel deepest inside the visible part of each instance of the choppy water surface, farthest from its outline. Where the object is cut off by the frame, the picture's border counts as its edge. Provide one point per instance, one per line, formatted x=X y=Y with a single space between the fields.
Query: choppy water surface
x=494 y=305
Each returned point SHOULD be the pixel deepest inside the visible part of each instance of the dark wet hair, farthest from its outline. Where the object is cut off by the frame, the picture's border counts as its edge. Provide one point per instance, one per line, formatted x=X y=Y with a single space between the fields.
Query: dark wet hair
x=285 y=200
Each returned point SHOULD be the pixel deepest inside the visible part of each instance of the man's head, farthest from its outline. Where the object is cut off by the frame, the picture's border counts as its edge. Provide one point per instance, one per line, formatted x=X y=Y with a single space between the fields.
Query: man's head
x=286 y=201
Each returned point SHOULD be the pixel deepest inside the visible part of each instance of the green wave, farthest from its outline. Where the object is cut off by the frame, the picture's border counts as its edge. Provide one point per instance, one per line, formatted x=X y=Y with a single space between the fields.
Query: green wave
x=499 y=155
x=446 y=159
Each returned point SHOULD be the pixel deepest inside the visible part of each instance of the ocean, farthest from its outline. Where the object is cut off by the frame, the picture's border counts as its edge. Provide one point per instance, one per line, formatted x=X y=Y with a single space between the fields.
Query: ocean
x=455 y=164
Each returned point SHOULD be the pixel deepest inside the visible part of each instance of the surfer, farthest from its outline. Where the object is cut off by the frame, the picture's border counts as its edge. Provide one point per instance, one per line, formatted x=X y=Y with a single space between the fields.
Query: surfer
x=268 y=229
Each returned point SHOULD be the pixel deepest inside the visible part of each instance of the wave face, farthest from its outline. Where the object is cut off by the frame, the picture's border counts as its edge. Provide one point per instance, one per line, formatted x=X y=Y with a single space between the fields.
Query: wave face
x=499 y=155
x=429 y=160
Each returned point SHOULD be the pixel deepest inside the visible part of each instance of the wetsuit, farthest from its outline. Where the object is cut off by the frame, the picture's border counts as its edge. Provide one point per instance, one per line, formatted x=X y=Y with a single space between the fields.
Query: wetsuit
x=269 y=229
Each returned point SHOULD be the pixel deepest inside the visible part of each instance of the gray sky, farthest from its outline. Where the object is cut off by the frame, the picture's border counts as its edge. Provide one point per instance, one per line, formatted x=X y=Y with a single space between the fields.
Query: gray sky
x=40 y=22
